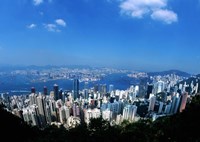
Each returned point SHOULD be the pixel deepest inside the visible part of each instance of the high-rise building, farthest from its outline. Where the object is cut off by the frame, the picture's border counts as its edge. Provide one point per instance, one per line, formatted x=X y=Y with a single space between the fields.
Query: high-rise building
x=149 y=90
x=152 y=102
x=183 y=101
x=85 y=94
x=96 y=88
x=41 y=107
x=48 y=114
x=33 y=98
x=53 y=110
x=103 y=89
x=111 y=88
x=76 y=88
x=168 y=108
x=177 y=105
x=60 y=94
x=62 y=115
x=33 y=90
x=196 y=88
x=56 y=93
x=45 y=90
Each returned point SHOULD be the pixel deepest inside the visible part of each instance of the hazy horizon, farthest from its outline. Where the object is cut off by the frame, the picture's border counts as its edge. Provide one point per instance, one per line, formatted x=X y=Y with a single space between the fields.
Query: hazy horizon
x=153 y=35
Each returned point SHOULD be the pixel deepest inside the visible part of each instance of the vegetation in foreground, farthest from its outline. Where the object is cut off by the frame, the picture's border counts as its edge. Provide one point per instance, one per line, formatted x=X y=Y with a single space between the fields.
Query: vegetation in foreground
x=182 y=127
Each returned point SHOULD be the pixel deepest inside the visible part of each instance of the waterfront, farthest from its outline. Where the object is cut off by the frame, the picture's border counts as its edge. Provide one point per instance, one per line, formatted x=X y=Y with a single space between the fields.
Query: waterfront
x=17 y=86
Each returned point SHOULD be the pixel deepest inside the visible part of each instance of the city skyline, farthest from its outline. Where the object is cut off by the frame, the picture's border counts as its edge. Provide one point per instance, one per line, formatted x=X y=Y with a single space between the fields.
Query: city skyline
x=150 y=35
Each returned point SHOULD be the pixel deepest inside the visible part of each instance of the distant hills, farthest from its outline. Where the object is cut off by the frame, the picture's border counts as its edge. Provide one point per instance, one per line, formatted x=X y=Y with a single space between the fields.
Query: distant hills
x=36 y=67
x=176 y=72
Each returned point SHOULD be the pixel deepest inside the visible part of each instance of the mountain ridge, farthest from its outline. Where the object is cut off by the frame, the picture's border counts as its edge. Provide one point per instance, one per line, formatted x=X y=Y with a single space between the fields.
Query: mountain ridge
x=172 y=71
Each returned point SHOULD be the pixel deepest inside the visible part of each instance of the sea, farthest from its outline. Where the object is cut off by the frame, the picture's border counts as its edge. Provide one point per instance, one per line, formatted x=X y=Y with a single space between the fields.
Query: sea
x=20 y=85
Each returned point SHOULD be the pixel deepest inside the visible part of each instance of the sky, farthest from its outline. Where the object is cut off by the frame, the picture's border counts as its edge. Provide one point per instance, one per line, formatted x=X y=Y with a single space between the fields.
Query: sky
x=148 y=35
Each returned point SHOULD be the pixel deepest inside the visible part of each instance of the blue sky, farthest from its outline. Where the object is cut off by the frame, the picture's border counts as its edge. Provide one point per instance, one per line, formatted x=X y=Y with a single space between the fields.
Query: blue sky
x=150 y=35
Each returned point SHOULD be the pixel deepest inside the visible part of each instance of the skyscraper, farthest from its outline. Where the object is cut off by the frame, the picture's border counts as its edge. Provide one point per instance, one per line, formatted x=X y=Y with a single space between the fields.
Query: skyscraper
x=33 y=90
x=149 y=90
x=41 y=107
x=76 y=88
x=96 y=88
x=45 y=90
x=183 y=101
x=55 y=87
x=111 y=88
x=152 y=102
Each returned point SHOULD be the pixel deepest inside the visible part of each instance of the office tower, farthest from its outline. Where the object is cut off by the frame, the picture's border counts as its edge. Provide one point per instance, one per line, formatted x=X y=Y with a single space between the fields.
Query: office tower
x=55 y=87
x=41 y=107
x=152 y=102
x=177 y=104
x=96 y=88
x=111 y=88
x=76 y=88
x=183 y=101
x=33 y=90
x=45 y=90
x=149 y=90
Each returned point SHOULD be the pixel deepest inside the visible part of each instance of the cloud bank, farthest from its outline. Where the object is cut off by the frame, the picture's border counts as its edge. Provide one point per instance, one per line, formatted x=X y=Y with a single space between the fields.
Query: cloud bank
x=156 y=9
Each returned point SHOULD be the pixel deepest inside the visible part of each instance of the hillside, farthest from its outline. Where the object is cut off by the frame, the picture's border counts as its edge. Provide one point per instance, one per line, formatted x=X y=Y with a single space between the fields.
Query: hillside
x=14 y=128
x=176 y=72
x=180 y=127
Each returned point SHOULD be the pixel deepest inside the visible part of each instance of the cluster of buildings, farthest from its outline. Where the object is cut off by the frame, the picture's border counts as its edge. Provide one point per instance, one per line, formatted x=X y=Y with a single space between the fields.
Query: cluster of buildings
x=44 y=74
x=165 y=95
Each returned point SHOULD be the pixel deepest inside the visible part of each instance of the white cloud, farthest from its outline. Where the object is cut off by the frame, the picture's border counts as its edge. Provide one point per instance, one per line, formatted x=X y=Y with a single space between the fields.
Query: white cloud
x=166 y=16
x=141 y=8
x=51 y=27
x=37 y=2
x=31 y=26
x=55 y=27
x=60 y=22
